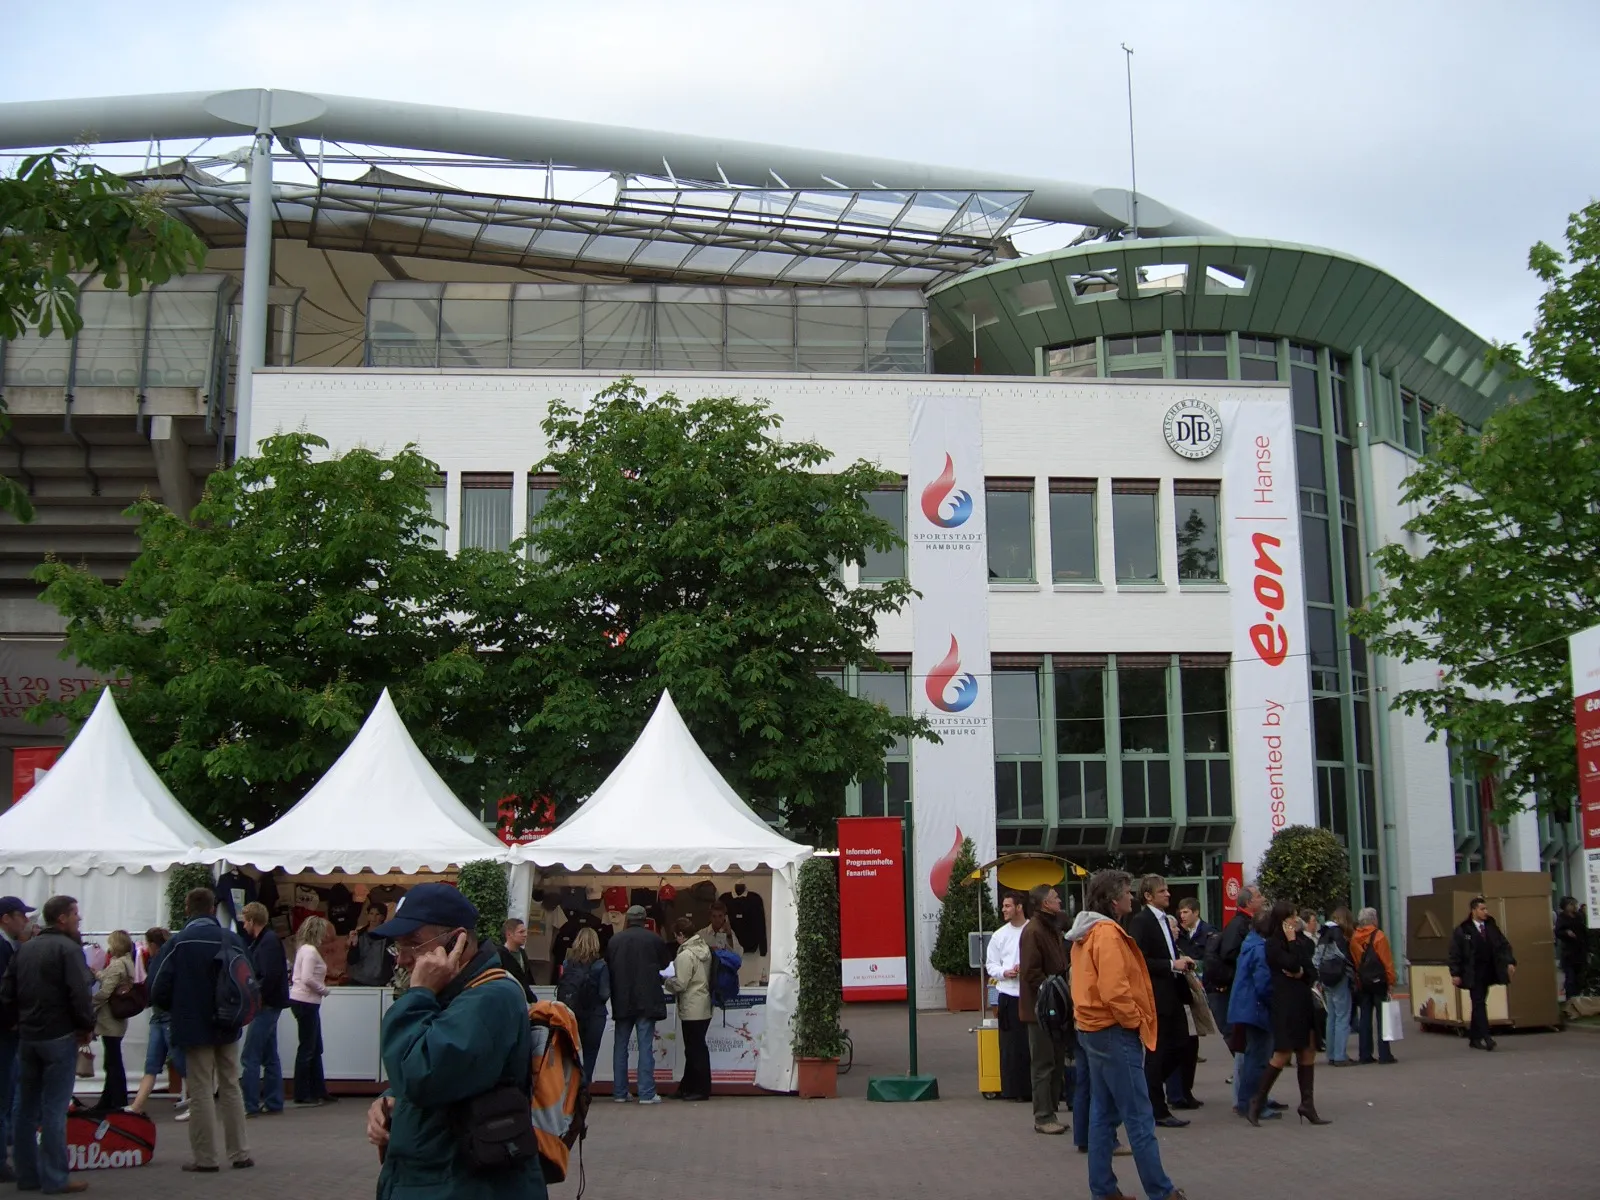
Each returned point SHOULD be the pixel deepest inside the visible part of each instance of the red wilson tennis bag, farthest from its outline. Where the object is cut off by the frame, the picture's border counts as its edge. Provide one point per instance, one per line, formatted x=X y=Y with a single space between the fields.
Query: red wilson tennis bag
x=119 y=1139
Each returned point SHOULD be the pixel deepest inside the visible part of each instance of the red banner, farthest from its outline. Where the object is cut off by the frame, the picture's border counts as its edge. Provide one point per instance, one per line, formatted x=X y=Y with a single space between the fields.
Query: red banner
x=1588 y=723
x=28 y=766
x=1232 y=881
x=518 y=824
x=872 y=908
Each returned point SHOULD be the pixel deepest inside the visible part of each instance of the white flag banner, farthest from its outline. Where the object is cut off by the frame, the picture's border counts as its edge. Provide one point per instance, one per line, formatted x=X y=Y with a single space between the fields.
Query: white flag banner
x=948 y=560
x=1274 y=780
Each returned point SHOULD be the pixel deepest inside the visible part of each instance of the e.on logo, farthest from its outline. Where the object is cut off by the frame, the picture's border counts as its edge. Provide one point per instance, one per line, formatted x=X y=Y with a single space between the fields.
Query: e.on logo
x=1269 y=637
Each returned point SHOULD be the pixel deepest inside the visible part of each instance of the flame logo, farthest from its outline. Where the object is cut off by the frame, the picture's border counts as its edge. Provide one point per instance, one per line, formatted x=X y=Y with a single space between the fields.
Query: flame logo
x=948 y=671
x=939 y=877
x=942 y=491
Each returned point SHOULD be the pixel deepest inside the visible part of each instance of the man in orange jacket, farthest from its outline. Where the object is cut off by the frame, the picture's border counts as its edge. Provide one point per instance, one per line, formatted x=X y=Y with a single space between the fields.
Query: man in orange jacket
x=1114 y=1009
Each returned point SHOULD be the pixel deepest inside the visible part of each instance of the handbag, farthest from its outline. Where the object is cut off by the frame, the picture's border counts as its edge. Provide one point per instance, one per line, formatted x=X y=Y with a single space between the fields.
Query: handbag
x=129 y=1000
x=1199 y=1011
x=85 y=1067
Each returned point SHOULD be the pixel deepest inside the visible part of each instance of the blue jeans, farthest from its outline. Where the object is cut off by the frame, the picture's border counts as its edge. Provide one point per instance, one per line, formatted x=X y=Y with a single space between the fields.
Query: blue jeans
x=47 y=1077
x=1081 y=1102
x=160 y=1048
x=1119 y=1091
x=260 y=1057
x=1249 y=1066
x=1369 y=1006
x=1338 y=1004
x=626 y=1031
x=591 y=1029
x=8 y=1088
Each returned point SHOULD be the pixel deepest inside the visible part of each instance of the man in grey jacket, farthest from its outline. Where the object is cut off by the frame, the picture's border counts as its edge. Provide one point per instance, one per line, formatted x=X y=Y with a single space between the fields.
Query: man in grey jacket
x=48 y=987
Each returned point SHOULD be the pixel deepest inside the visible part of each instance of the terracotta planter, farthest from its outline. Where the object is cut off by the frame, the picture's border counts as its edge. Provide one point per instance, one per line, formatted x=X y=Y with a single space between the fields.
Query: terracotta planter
x=818 y=1078
x=962 y=994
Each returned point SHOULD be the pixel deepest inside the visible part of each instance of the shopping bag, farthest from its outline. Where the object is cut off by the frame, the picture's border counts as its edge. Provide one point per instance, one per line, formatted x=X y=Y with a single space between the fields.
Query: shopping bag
x=85 y=1067
x=1201 y=1022
x=1394 y=1029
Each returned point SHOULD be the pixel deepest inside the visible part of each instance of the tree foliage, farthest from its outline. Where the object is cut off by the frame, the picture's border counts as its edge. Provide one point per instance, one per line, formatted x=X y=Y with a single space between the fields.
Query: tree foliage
x=686 y=547
x=966 y=907
x=63 y=218
x=182 y=879
x=256 y=639
x=817 y=1032
x=1306 y=865
x=1509 y=564
x=484 y=883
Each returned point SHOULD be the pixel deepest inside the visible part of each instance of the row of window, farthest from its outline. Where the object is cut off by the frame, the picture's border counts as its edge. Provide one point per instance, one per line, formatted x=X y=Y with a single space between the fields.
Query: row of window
x=1072 y=516
x=1087 y=738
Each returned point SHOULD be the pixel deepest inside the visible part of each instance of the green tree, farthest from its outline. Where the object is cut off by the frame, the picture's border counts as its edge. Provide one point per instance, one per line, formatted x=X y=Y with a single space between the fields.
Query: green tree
x=967 y=905
x=686 y=547
x=1510 y=557
x=484 y=883
x=817 y=1032
x=256 y=639
x=1306 y=865
x=63 y=218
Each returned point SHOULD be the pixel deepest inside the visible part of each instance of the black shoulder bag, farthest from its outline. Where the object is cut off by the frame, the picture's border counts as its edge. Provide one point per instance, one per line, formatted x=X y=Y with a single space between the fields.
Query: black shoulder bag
x=494 y=1131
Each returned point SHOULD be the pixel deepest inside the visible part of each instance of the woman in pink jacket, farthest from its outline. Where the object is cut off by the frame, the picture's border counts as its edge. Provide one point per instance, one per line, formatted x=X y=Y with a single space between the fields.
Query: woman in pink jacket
x=307 y=987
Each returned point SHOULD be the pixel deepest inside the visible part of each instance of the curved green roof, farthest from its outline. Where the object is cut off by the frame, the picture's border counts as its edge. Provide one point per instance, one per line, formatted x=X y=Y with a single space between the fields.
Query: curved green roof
x=1272 y=289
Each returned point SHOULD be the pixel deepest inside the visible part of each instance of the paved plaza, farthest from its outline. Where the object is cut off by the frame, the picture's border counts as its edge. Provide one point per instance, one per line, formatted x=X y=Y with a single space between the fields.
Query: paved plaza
x=1445 y=1122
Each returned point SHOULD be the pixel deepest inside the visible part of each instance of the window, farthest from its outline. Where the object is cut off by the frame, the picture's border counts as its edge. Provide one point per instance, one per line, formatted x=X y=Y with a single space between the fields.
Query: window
x=547 y=326
x=1201 y=355
x=1089 y=286
x=1303 y=394
x=1080 y=738
x=1134 y=532
x=1228 y=280
x=880 y=566
x=617 y=327
x=1318 y=565
x=1009 y=507
x=1162 y=279
x=1072 y=531
x=539 y=489
x=1142 y=719
x=1141 y=357
x=1019 y=762
x=1338 y=389
x=475 y=325
x=1208 y=779
x=1410 y=421
x=1194 y=518
x=1322 y=634
x=887 y=797
x=436 y=495
x=1145 y=343
x=1072 y=362
x=485 y=511
x=1258 y=357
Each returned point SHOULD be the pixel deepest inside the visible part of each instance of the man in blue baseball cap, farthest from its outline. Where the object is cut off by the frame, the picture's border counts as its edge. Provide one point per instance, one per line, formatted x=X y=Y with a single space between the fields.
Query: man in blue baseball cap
x=13 y=920
x=451 y=1040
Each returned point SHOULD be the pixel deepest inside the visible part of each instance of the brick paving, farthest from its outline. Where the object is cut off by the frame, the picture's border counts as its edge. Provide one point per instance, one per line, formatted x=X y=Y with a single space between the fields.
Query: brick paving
x=1447 y=1121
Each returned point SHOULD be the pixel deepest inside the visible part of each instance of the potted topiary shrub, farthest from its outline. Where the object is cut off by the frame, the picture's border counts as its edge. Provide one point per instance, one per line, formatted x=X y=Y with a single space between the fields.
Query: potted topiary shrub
x=484 y=883
x=1308 y=867
x=182 y=879
x=965 y=903
x=818 y=1037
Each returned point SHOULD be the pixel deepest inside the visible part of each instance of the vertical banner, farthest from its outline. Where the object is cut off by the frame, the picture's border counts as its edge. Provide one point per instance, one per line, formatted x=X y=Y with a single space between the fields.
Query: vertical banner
x=1585 y=650
x=1274 y=780
x=947 y=555
x=29 y=764
x=1232 y=881
x=872 y=908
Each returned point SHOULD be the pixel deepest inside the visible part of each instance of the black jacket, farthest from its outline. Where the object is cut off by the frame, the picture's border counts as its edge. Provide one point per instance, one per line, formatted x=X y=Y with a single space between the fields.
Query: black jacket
x=47 y=986
x=747 y=913
x=516 y=965
x=636 y=957
x=1224 y=960
x=1464 y=963
x=266 y=956
x=1171 y=989
x=183 y=980
x=1572 y=940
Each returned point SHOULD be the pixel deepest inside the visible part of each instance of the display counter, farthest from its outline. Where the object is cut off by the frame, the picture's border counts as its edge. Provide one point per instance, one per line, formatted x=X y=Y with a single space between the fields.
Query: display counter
x=352 y=1020
x=733 y=1039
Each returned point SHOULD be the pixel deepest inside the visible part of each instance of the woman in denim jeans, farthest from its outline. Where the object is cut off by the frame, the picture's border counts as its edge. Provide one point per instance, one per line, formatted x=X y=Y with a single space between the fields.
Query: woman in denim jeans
x=1333 y=944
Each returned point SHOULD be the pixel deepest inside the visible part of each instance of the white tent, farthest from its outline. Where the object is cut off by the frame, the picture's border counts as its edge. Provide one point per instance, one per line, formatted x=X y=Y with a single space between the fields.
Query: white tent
x=100 y=826
x=382 y=807
x=666 y=807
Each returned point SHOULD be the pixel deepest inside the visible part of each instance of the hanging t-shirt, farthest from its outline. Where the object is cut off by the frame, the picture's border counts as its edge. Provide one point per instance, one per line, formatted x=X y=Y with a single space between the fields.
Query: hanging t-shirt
x=234 y=890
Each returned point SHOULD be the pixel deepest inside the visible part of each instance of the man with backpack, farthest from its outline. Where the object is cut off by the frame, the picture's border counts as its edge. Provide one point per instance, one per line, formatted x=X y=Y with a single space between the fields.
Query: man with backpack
x=636 y=957
x=1222 y=954
x=46 y=989
x=1042 y=958
x=1375 y=975
x=458 y=1049
x=1332 y=962
x=196 y=979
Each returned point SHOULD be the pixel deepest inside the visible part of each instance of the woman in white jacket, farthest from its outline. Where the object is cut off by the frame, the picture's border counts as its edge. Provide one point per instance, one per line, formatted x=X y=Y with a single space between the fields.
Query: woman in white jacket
x=691 y=983
x=307 y=987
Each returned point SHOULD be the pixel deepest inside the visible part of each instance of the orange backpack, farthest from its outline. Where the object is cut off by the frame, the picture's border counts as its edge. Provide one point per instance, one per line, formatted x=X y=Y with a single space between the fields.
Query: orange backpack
x=560 y=1102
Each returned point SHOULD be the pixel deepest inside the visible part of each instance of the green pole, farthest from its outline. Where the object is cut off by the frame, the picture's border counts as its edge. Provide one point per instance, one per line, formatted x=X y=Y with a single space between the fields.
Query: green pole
x=911 y=937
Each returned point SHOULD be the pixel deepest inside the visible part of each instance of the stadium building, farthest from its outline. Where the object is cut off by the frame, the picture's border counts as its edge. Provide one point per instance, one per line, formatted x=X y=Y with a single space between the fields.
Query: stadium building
x=382 y=273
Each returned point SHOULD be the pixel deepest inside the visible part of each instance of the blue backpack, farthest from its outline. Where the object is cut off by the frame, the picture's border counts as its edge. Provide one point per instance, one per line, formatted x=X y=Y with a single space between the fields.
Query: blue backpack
x=725 y=966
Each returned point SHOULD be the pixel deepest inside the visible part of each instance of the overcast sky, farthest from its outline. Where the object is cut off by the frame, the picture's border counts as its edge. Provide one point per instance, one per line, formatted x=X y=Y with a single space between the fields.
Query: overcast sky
x=1435 y=139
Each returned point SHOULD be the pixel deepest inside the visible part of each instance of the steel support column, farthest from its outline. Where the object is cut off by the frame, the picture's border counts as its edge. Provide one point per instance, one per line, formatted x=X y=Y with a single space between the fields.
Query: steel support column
x=257 y=275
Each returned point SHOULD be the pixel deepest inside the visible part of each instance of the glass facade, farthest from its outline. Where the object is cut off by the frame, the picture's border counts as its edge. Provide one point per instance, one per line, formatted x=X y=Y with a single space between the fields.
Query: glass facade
x=641 y=327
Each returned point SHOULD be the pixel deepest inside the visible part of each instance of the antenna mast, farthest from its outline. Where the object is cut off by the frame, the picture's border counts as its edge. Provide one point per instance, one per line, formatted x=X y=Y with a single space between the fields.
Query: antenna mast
x=1133 y=162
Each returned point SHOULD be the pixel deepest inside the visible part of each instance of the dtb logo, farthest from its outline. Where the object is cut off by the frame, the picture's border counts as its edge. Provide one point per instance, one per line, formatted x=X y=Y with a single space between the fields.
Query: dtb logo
x=1193 y=429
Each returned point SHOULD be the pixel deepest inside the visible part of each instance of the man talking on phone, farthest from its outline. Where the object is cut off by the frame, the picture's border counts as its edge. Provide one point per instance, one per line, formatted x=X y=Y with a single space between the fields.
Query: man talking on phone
x=455 y=1038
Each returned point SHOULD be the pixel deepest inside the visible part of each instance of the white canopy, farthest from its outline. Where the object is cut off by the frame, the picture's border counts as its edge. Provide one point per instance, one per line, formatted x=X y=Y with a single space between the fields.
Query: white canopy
x=381 y=807
x=664 y=807
x=100 y=808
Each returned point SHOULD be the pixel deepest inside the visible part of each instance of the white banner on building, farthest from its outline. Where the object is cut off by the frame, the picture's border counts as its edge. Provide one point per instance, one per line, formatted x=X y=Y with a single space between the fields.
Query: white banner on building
x=948 y=560
x=1274 y=777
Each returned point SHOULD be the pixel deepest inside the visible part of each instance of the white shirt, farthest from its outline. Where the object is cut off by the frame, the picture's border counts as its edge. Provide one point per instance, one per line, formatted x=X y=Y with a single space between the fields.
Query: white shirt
x=1166 y=931
x=1005 y=952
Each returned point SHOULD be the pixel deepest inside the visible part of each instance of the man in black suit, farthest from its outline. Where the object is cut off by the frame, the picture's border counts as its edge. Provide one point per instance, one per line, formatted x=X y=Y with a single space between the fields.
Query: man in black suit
x=1480 y=958
x=1153 y=932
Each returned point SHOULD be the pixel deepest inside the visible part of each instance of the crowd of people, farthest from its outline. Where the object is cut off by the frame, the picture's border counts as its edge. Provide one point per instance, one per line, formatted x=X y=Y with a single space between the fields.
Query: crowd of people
x=1276 y=984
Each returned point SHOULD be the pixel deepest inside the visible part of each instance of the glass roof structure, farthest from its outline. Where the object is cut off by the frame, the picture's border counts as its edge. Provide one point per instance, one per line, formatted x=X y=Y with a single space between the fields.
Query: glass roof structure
x=855 y=237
